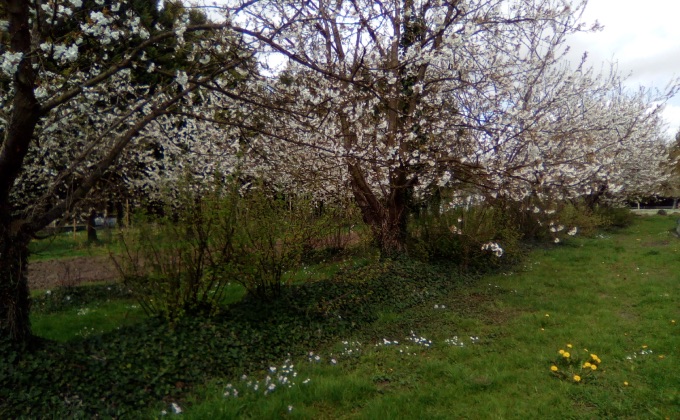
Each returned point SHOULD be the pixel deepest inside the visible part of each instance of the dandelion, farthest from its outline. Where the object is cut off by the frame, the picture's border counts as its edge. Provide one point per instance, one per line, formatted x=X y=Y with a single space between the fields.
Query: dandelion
x=577 y=378
x=566 y=355
x=554 y=368
x=547 y=315
x=586 y=365
x=593 y=367
x=561 y=352
x=625 y=383
x=569 y=345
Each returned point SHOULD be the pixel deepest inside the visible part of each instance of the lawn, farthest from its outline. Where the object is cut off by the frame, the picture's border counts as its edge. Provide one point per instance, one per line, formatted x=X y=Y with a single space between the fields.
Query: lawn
x=490 y=345
x=406 y=345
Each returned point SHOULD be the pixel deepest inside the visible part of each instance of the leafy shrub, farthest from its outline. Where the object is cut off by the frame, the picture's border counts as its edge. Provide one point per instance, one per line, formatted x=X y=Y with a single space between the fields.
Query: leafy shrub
x=466 y=237
x=176 y=263
x=616 y=217
x=270 y=236
x=580 y=216
x=662 y=212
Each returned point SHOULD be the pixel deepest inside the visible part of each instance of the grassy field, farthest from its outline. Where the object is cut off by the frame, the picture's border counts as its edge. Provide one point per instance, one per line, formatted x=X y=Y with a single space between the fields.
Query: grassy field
x=68 y=245
x=485 y=349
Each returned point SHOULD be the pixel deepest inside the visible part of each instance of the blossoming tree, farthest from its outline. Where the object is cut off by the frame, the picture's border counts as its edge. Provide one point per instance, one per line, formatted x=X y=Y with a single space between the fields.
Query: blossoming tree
x=402 y=97
x=77 y=92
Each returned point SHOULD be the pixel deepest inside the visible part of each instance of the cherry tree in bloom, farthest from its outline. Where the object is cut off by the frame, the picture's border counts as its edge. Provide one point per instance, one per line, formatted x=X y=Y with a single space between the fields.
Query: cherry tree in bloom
x=403 y=97
x=80 y=88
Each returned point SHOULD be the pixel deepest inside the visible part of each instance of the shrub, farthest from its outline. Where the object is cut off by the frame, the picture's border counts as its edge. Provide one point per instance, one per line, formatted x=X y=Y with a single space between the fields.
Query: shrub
x=580 y=216
x=662 y=212
x=176 y=263
x=270 y=237
x=474 y=238
x=616 y=217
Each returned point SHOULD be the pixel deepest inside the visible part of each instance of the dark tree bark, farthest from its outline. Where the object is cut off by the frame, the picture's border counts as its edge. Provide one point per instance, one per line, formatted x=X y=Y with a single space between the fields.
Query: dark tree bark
x=91 y=227
x=387 y=218
x=14 y=296
x=14 y=238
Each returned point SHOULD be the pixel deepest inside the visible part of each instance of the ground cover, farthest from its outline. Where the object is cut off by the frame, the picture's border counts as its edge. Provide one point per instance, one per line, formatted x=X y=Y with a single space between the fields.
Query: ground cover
x=486 y=351
x=398 y=339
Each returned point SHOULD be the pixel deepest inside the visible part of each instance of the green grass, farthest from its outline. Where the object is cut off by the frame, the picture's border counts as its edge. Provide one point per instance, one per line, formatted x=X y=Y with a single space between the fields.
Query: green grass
x=612 y=295
x=86 y=320
x=66 y=245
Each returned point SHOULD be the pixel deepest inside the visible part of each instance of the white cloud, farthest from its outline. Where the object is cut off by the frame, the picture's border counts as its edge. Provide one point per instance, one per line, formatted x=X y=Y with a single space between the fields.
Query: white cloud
x=642 y=37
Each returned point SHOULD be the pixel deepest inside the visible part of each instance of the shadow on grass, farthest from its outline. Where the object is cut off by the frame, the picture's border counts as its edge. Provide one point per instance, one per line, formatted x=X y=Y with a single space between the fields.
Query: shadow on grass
x=126 y=371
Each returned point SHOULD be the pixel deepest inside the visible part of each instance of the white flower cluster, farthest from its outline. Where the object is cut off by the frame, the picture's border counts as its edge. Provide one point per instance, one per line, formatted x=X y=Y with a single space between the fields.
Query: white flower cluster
x=421 y=341
x=10 y=62
x=62 y=53
x=493 y=247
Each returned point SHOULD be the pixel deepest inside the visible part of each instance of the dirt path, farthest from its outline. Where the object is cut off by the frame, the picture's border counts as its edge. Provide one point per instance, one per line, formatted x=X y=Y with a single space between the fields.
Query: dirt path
x=70 y=272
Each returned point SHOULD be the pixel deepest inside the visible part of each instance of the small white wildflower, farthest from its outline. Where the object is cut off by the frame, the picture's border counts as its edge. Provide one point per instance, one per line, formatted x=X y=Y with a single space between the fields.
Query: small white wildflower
x=334 y=362
x=557 y=240
x=306 y=381
x=573 y=231
x=176 y=408
x=290 y=408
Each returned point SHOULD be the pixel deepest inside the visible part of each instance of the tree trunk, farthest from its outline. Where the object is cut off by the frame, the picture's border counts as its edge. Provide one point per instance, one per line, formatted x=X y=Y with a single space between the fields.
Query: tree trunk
x=91 y=227
x=14 y=296
x=387 y=218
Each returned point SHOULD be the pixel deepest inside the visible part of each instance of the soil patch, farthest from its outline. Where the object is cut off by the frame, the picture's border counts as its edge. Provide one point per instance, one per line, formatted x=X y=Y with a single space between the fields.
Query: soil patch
x=70 y=272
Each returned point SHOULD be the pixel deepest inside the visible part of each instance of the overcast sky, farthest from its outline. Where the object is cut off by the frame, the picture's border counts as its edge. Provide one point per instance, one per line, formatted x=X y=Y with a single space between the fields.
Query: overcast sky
x=643 y=37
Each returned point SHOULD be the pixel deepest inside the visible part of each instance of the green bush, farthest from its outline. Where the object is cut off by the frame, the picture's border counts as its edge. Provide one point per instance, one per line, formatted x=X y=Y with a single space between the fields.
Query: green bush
x=464 y=236
x=177 y=263
x=616 y=217
x=580 y=216
x=270 y=237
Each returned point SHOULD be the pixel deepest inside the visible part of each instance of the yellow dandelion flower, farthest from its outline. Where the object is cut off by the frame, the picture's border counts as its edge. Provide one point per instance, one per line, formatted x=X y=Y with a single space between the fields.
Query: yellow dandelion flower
x=577 y=378
x=566 y=354
x=547 y=315
x=644 y=346
x=672 y=321
x=598 y=361
x=553 y=368
x=569 y=345
x=586 y=365
x=593 y=356
x=561 y=351
x=625 y=383
x=593 y=367
x=661 y=356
